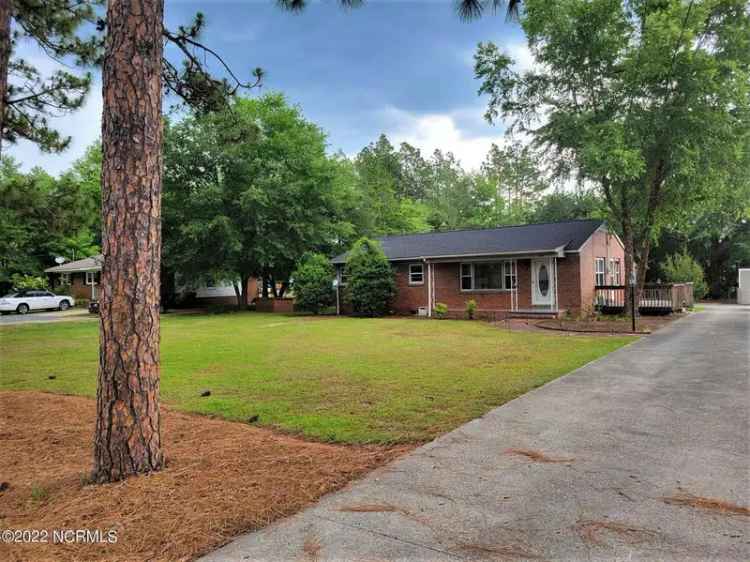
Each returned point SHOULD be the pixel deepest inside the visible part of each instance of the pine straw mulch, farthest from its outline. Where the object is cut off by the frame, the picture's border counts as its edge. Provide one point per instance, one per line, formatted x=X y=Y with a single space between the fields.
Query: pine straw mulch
x=222 y=478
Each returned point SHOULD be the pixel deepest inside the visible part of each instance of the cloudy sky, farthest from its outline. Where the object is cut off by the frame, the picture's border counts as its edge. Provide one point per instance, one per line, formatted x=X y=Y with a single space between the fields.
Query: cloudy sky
x=395 y=67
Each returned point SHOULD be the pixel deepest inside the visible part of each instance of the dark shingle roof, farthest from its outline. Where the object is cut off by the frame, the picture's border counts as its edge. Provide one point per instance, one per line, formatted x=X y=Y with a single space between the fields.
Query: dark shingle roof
x=528 y=238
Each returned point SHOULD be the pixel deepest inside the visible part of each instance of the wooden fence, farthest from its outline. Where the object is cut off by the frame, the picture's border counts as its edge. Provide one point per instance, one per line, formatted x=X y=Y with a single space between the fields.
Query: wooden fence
x=656 y=298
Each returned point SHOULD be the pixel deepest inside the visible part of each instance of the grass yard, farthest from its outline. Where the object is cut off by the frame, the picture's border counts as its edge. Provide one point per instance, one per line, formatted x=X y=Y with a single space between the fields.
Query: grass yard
x=346 y=380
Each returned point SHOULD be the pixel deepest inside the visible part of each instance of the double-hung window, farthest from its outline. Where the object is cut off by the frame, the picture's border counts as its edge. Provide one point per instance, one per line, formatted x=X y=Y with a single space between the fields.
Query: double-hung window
x=467 y=278
x=599 y=271
x=416 y=274
x=615 y=277
x=91 y=278
x=487 y=276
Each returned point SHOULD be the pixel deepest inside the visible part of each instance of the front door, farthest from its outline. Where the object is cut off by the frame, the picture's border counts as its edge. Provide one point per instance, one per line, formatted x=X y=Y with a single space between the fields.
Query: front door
x=542 y=282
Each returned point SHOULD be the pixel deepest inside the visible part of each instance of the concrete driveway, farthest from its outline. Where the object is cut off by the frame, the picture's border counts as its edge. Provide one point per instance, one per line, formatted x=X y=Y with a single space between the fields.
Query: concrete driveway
x=39 y=317
x=620 y=460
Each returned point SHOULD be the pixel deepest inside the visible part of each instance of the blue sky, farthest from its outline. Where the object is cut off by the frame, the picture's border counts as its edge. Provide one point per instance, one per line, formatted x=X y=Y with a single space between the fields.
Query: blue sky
x=400 y=68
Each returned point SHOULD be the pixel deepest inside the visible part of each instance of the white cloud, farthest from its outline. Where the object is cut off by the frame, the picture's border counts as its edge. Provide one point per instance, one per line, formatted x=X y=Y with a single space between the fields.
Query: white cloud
x=429 y=132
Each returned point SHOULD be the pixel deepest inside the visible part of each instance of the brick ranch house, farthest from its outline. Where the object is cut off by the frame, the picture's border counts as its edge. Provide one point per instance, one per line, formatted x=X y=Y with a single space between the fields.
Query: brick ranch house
x=83 y=277
x=526 y=270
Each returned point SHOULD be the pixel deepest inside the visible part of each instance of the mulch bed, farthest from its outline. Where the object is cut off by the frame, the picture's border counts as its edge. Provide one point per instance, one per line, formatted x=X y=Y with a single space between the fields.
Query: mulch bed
x=222 y=479
x=605 y=325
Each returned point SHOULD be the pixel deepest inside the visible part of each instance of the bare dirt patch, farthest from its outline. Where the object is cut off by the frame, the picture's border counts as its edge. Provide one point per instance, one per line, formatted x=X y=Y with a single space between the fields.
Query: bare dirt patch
x=221 y=479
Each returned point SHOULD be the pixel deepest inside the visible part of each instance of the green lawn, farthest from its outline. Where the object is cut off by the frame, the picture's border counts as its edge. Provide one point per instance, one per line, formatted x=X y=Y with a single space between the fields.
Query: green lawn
x=340 y=379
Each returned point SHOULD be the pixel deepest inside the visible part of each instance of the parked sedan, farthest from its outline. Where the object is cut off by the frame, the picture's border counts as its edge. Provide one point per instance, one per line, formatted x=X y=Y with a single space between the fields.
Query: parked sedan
x=34 y=299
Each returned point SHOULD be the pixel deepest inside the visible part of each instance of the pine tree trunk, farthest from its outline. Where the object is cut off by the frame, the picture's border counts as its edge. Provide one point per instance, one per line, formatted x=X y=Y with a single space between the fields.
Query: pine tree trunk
x=128 y=437
x=5 y=12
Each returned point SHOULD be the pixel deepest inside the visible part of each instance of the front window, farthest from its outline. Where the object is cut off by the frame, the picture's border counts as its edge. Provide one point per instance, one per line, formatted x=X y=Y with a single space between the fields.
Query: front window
x=65 y=278
x=91 y=278
x=488 y=276
x=416 y=274
x=599 y=272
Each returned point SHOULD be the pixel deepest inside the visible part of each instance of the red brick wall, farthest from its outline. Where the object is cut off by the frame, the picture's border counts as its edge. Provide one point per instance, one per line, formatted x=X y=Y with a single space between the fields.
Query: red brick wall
x=569 y=282
x=448 y=291
x=602 y=244
x=408 y=297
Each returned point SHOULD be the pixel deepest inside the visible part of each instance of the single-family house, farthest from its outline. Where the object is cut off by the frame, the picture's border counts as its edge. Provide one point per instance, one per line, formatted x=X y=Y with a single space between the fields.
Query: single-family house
x=83 y=278
x=81 y=275
x=532 y=269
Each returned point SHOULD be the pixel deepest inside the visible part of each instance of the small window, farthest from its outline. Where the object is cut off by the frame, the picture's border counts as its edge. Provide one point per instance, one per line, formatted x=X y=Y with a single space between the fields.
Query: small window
x=91 y=278
x=599 y=271
x=467 y=281
x=65 y=278
x=416 y=274
x=509 y=276
x=343 y=277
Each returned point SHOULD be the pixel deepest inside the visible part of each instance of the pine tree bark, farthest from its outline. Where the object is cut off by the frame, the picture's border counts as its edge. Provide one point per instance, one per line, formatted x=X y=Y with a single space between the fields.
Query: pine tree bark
x=5 y=45
x=128 y=437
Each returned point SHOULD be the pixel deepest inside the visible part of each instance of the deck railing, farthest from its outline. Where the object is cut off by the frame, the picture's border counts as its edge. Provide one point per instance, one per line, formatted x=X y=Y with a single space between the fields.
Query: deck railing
x=656 y=298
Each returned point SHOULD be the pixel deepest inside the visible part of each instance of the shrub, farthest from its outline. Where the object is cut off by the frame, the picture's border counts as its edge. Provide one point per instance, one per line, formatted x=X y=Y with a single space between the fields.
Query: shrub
x=471 y=309
x=682 y=268
x=313 y=283
x=28 y=281
x=440 y=310
x=63 y=289
x=371 y=284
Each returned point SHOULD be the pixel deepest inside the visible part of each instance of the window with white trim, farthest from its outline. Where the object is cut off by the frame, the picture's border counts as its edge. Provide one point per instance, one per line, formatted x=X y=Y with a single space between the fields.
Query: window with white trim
x=509 y=275
x=416 y=274
x=343 y=277
x=65 y=279
x=599 y=271
x=615 y=272
x=488 y=276
x=91 y=278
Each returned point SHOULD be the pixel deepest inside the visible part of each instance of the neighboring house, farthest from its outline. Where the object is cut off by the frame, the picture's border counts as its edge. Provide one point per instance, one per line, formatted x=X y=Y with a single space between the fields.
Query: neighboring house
x=534 y=269
x=83 y=278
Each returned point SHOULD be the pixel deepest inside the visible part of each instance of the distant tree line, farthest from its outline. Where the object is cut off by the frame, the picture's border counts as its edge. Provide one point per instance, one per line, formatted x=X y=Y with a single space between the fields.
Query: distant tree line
x=250 y=189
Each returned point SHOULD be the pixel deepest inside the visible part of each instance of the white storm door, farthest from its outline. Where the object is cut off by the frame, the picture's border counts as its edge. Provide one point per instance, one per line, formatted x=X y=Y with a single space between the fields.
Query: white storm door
x=542 y=282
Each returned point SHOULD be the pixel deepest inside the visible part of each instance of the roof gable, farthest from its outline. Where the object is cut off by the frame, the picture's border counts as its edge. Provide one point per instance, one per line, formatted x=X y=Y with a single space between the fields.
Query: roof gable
x=93 y=263
x=567 y=236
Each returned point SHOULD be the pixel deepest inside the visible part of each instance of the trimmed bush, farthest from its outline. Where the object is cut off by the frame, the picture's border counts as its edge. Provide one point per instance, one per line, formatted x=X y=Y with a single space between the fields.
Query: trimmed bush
x=471 y=309
x=682 y=268
x=440 y=310
x=313 y=283
x=370 y=280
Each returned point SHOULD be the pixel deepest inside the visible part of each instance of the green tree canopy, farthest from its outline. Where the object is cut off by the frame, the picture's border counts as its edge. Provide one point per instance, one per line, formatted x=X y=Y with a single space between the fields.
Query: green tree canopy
x=249 y=190
x=649 y=101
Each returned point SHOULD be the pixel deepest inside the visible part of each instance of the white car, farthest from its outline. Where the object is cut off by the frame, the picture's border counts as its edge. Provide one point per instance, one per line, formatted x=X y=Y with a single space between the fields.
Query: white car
x=34 y=299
